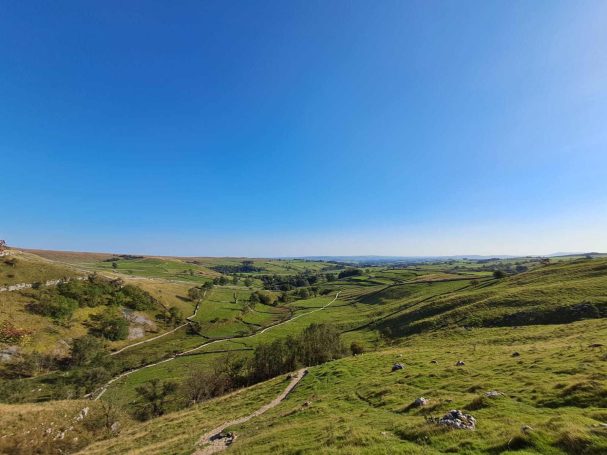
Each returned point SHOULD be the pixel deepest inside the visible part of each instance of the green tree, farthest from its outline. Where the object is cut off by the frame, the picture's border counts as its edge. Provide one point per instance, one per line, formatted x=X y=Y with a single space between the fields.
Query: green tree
x=110 y=324
x=153 y=397
x=56 y=306
x=195 y=294
x=87 y=350
x=499 y=274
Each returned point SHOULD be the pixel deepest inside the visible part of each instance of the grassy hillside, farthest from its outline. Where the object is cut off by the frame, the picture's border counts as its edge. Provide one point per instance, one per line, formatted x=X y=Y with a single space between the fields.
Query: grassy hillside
x=550 y=313
x=21 y=267
x=557 y=387
x=556 y=293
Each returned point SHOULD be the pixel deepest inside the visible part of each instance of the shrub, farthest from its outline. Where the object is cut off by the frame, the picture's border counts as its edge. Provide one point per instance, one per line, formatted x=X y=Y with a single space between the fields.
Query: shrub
x=56 y=306
x=87 y=350
x=135 y=298
x=110 y=324
x=356 y=348
x=153 y=398
x=91 y=378
x=9 y=333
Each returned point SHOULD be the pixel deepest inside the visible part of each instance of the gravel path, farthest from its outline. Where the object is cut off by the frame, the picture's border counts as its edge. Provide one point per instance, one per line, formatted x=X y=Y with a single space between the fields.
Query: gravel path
x=212 y=441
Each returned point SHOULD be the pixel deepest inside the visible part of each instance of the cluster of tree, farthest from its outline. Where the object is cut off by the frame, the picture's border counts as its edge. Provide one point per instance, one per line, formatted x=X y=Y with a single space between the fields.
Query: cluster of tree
x=350 y=272
x=62 y=301
x=265 y=297
x=317 y=344
x=290 y=282
x=246 y=266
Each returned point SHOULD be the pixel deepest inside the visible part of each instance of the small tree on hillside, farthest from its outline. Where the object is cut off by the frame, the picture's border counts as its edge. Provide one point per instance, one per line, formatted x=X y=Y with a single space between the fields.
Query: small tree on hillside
x=153 y=398
x=499 y=274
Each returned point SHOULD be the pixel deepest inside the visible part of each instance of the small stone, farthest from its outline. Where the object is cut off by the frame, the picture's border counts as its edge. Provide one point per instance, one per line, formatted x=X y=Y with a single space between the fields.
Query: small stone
x=82 y=414
x=516 y=354
x=595 y=345
x=397 y=366
x=526 y=429
x=433 y=361
x=493 y=394
x=460 y=363
x=421 y=401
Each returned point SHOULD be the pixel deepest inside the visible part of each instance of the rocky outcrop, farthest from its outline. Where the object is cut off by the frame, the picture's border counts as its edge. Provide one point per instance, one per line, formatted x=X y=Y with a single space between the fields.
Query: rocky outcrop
x=20 y=286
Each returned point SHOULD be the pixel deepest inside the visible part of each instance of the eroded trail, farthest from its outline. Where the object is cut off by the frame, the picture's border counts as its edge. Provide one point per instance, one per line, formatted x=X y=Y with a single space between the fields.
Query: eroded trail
x=102 y=391
x=213 y=441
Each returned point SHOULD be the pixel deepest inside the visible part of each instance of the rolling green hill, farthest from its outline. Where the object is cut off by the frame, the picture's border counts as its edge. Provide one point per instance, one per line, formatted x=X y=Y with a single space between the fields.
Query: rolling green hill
x=534 y=336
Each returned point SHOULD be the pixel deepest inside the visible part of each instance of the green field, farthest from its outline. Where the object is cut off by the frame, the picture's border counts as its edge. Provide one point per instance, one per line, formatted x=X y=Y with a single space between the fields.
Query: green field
x=552 y=313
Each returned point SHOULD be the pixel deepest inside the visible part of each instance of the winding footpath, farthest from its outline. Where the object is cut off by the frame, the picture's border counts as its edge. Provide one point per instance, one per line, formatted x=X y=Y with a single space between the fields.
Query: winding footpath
x=188 y=320
x=213 y=441
x=103 y=389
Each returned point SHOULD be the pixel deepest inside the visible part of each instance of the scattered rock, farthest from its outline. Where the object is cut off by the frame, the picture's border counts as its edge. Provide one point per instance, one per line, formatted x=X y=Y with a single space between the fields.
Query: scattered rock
x=9 y=353
x=421 y=401
x=596 y=345
x=306 y=404
x=493 y=394
x=460 y=363
x=433 y=361
x=82 y=414
x=115 y=427
x=457 y=419
x=526 y=429
x=515 y=354
x=397 y=366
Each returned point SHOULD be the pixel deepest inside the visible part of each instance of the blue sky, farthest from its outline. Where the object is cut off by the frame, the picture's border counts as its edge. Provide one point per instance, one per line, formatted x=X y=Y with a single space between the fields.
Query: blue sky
x=304 y=127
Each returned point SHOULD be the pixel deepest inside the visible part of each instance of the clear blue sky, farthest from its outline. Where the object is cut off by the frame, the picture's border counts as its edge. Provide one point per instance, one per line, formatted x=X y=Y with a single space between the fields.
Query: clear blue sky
x=304 y=127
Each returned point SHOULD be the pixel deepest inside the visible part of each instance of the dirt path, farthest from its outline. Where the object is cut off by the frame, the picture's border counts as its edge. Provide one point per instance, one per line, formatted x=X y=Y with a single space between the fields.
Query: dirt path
x=203 y=345
x=212 y=441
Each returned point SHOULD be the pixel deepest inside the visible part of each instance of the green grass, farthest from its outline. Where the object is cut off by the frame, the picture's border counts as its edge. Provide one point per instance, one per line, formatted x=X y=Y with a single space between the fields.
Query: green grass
x=358 y=406
x=28 y=268
x=442 y=311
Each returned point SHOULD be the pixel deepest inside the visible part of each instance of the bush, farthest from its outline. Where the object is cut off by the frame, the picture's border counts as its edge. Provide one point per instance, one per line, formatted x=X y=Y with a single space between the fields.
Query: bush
x=153 y=398
x=91 y=378
x=265 y=297
x=317 y=344
x=135 y=298
x=356 y=348
x=87 y=350
x=11 y=334
x=56 y=306
x=110 y=324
